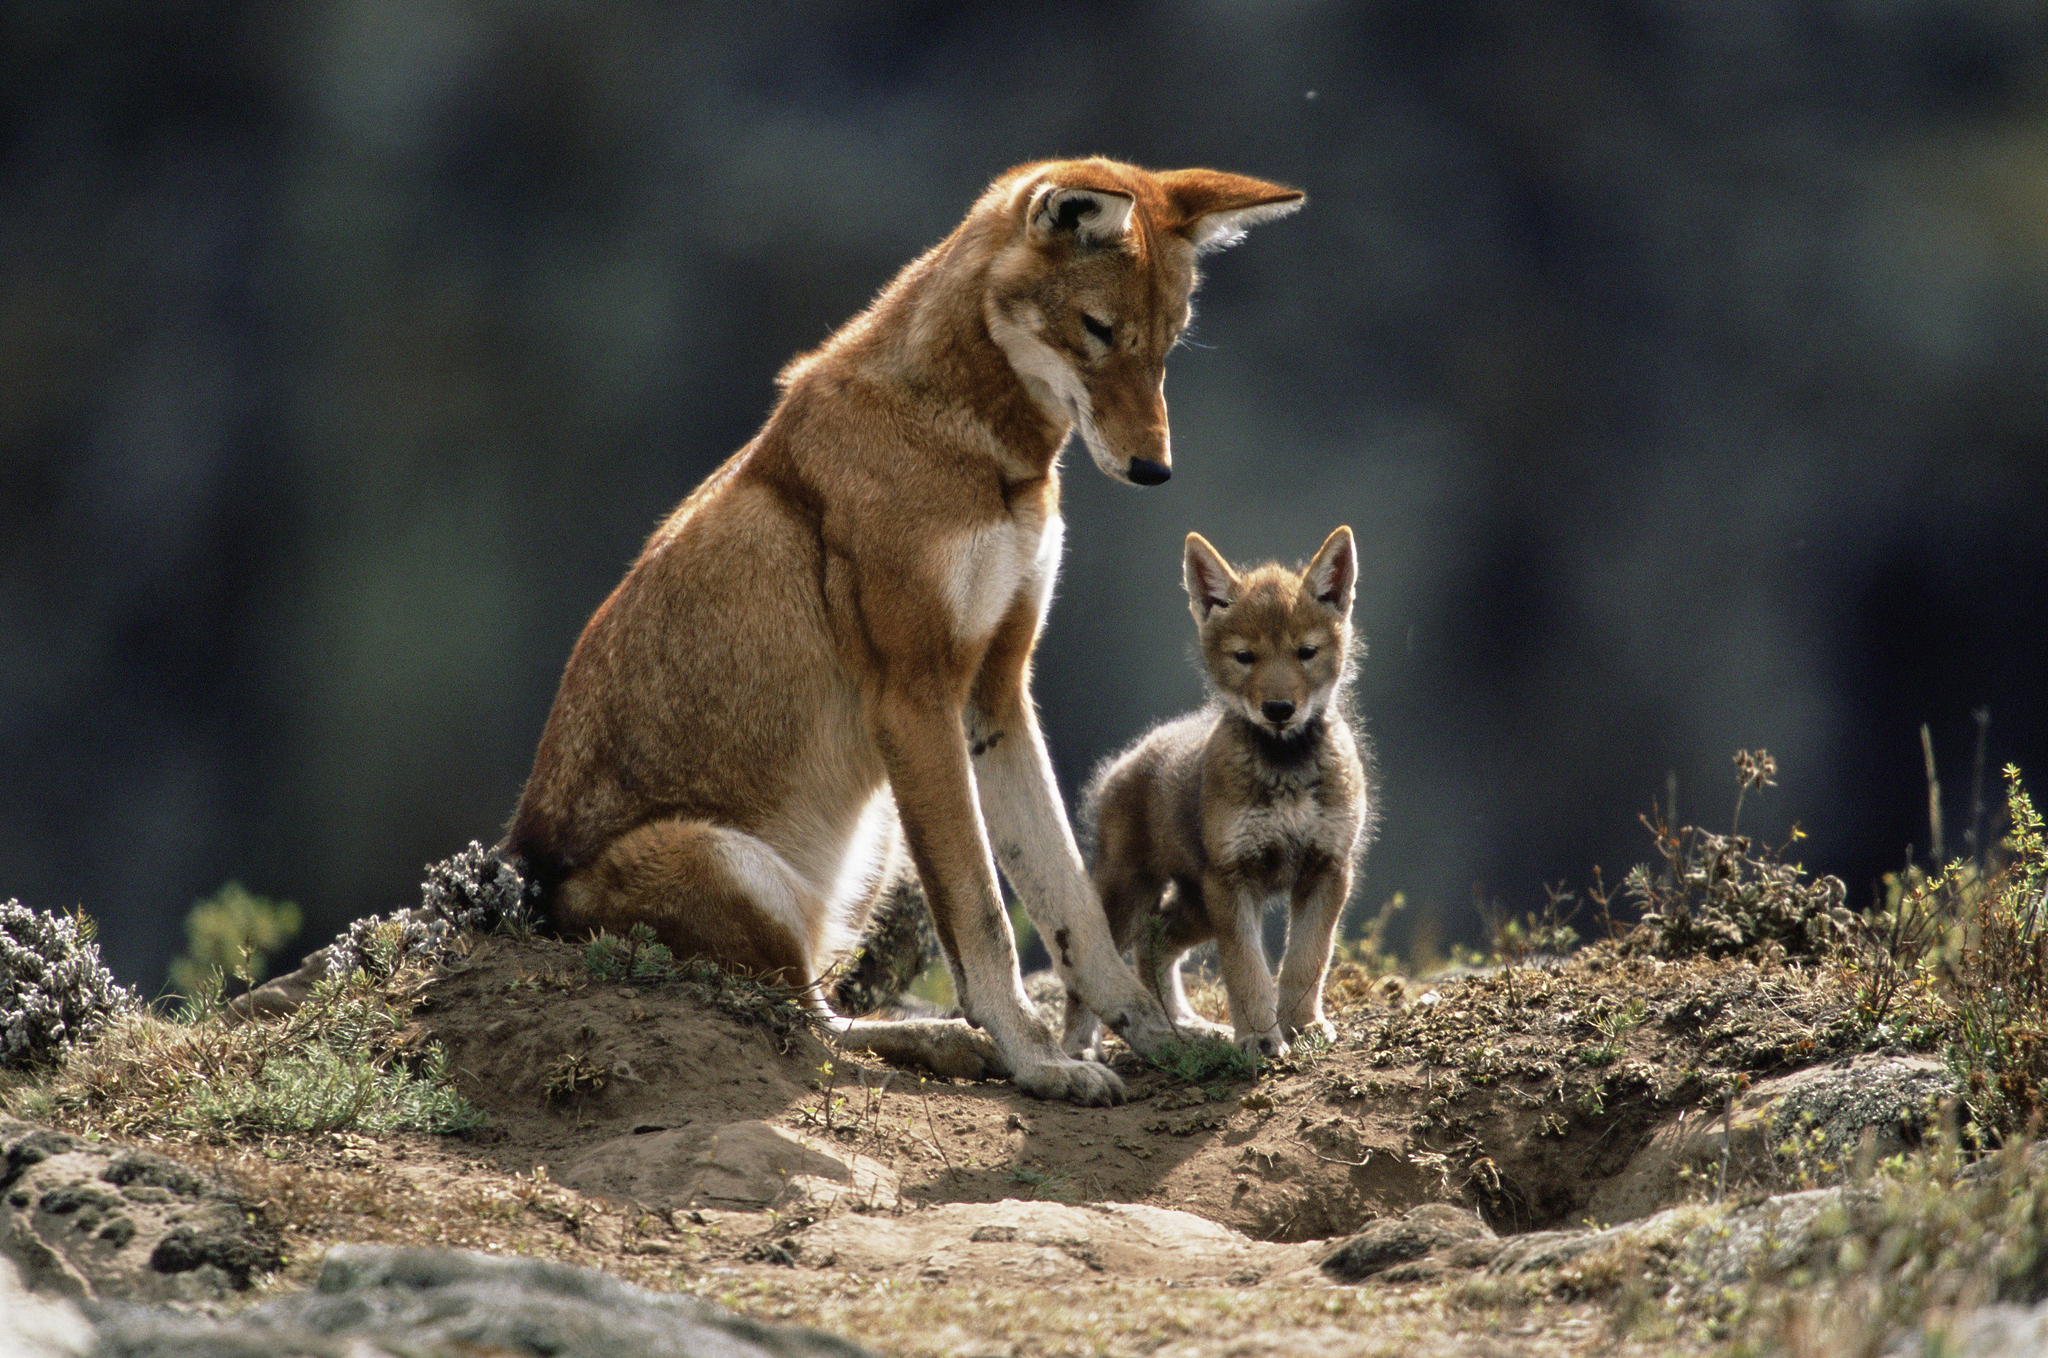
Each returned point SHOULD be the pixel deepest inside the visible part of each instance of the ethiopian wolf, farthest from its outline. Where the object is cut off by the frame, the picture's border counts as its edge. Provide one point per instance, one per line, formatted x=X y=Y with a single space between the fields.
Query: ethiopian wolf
x=821 y=660
x=1260 y=797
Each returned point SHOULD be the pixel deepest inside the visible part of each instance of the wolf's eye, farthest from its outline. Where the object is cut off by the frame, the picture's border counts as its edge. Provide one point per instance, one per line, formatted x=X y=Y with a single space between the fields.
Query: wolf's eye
x=1099 y=329
x=1245 y=657
x=1306 y=653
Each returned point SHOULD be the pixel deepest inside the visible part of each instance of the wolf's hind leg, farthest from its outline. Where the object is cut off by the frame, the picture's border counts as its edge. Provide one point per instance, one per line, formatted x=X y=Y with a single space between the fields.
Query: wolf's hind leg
x=943 y=1046
x=707 y=892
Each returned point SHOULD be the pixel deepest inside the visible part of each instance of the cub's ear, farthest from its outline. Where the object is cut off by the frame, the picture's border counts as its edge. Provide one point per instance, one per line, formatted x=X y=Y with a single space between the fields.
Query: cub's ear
x=1090 y=216
x=1210 y=582
x=1332 y=578
x=1215 y=208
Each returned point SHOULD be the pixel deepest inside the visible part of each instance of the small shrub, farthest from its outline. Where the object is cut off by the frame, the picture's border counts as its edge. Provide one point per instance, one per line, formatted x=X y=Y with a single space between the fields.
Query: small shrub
x=639 y=956
x=1991 y=970
x=1917 y=1253
x=233 y=932
x=1207 y=1060
x=642 y=959
x=575 y=1075
x=1958 y=960
x=1537 y=936
x=53 y=990
x=478 y=890
x=481 y=889
x=1727 y=896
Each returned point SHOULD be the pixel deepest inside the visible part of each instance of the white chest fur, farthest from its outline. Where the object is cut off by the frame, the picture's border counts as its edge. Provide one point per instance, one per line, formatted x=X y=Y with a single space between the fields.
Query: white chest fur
x=990 y=568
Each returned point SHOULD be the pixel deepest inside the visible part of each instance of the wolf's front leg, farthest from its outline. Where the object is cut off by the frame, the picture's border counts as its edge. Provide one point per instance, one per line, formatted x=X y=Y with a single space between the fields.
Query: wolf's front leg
x=1035 y=846
x=926 y=756
x=1317 y=904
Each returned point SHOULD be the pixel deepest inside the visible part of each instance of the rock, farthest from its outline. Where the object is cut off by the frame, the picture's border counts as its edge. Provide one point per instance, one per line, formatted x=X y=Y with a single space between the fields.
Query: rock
x=2000 y=1331
x=1420 y=1232
x=742 y=1166
x=1036 y=1244
x=1830 y=1108
x=38 y=1327
x=377 y=1302
x=84 y=1220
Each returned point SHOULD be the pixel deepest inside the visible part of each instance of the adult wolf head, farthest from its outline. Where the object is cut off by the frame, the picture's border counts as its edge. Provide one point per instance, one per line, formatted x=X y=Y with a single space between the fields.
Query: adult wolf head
x=1088 y=289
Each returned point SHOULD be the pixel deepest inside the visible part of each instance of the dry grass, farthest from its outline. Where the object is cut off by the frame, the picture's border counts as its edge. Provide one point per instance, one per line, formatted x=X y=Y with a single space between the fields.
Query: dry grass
x=346 y=1060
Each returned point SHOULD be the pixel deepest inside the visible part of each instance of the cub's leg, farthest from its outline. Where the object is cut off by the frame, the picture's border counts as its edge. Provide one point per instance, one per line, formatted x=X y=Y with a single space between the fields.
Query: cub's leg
x=1318 y=902
x=1127 y=898
x=896 y=941
x=1164 y=938
x=1235 y=912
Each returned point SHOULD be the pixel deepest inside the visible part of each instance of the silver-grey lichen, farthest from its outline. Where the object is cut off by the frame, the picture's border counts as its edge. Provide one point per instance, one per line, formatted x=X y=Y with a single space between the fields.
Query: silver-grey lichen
x=478 y=889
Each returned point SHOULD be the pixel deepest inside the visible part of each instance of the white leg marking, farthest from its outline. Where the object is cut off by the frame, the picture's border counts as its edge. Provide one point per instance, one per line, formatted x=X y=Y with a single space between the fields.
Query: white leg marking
x=1035 y=846
x=779 y=890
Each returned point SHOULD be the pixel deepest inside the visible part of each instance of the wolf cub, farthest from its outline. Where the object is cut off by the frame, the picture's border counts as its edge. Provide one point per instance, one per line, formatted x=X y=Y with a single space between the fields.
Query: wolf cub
x=1261 y=796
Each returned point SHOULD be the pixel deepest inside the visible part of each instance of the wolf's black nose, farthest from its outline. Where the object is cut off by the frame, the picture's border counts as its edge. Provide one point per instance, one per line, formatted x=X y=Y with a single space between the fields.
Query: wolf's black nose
x=1146 y=472
x=1277 y=710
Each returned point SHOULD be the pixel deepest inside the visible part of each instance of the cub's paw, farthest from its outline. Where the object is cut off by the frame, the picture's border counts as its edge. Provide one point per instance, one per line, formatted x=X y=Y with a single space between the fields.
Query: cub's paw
x=1082 y=1082
x=1316 y=1032
x=1269 y=1045
x=1143 y=1025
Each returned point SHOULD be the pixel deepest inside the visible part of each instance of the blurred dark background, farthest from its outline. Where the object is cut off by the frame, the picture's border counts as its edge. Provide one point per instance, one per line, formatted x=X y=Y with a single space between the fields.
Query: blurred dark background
x=1683 y=368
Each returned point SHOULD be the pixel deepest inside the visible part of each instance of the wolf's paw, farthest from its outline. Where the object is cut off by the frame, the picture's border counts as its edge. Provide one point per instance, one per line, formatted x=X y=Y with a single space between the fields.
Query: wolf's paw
x=1082 y=1082
x=1195 y=1028
x=945 y=1047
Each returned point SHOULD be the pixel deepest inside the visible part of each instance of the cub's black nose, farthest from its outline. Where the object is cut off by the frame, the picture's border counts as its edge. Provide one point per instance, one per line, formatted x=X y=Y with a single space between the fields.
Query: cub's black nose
x=1277 y=710
x=1146 y=472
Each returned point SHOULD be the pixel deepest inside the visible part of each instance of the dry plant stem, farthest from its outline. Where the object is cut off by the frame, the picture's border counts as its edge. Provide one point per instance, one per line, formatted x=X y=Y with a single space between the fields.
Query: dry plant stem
x=1982 y=716
x=1933 y=796
x=931 y=1124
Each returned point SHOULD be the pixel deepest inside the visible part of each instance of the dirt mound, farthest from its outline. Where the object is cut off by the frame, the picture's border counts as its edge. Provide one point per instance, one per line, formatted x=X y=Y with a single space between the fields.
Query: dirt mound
x=628 y=1090
x=1519 y=1093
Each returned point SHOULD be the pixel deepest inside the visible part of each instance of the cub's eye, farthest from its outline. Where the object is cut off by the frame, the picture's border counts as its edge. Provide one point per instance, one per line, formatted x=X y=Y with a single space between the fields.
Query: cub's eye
x=1245 y=657
x=1306 y=653
x=1100 y=329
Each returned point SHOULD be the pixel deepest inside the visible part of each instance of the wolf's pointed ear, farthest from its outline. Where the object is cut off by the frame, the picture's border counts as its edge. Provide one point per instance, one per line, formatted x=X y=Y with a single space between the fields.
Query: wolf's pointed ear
x=1210 y=581
x=1332 y=577
x=1215 y=208
x=1090 y=216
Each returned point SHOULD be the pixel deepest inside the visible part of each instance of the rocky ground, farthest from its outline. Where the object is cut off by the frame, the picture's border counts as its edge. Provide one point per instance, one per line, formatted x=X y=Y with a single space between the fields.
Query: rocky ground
x=1608 y=1154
